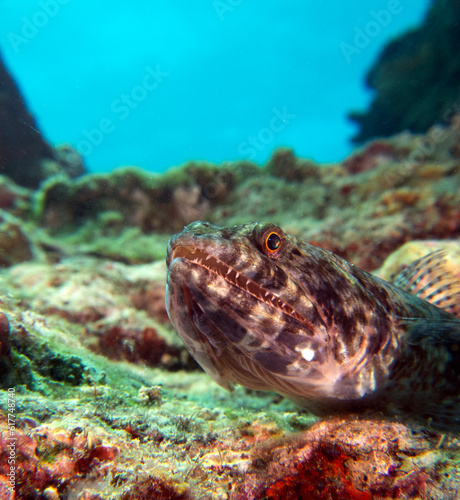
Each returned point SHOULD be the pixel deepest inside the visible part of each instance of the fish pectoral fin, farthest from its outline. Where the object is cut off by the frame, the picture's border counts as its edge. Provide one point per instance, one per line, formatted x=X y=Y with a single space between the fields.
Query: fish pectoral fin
x=436 y=332
x=431 y=279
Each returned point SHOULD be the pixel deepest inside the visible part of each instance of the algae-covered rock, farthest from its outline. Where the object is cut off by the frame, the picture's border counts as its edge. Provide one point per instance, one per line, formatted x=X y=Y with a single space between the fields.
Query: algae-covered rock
x=285 y=165
x=146 y=201
x=122 y=309
x=15 y=199
x=389 y=192
x=15 y=245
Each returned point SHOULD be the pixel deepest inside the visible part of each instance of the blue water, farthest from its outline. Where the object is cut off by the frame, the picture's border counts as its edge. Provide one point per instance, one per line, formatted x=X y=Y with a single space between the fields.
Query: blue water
x=155 y=84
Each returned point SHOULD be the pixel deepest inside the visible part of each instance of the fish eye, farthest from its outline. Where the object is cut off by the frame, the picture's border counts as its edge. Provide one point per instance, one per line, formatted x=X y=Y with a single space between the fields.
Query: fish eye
x=272 y=242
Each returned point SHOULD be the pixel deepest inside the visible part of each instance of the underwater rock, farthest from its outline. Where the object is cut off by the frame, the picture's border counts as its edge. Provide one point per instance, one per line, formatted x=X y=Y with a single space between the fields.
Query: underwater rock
x=153 y=487
x=47 y=458
x=415 y=78
x=284 y=164
x=389 y=192
x=15 y=245
x=69 y=159
x=25 y=156
x=113 y=215
x=372 y=155
x=5 y=344
x=352 y=459
x=146 y=201
x=5 y=351
x=22 y=147
x=144 y=346
x=15 y=199
x=121 y=307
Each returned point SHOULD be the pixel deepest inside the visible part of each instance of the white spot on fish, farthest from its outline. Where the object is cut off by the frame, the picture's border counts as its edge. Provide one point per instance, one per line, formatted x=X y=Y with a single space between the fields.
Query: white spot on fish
x=307 y=353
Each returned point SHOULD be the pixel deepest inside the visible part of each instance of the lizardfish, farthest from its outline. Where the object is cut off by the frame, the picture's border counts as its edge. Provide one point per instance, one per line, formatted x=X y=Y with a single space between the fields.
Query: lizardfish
x=260 y=308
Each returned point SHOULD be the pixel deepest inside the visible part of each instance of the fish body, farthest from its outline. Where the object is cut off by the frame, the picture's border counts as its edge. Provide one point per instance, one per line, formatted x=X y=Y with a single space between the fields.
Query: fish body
x=260 y=308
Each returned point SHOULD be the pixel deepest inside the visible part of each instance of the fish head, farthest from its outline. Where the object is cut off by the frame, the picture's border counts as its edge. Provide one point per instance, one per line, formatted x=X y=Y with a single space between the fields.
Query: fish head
x=236 y=298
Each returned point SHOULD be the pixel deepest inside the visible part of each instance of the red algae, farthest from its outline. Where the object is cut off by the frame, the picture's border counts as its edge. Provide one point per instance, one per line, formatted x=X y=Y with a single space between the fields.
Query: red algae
x=323 y=476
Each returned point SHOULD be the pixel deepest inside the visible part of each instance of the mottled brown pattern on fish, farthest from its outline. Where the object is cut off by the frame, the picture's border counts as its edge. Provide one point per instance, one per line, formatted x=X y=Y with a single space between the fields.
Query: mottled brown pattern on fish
x=301 y=321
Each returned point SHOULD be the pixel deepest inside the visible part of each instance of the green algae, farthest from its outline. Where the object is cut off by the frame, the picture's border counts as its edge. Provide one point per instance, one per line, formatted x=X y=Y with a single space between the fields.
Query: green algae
x=125 y=245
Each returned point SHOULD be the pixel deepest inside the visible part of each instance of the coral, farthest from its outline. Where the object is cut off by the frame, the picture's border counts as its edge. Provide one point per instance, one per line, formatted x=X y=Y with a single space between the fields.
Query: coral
x=6 y=493
x=415 y=77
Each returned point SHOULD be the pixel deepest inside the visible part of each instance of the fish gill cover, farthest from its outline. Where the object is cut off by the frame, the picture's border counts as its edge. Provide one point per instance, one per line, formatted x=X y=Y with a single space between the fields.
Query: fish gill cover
x=100 y=398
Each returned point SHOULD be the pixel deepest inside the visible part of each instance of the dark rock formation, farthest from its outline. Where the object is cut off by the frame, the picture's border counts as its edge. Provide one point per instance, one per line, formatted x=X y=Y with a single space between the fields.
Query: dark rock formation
x=416 y=78
x=22 y=147
x=25 y=156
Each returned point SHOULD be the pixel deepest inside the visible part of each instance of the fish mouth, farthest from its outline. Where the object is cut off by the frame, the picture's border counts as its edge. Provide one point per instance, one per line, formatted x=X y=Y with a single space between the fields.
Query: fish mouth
x=207 y=261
